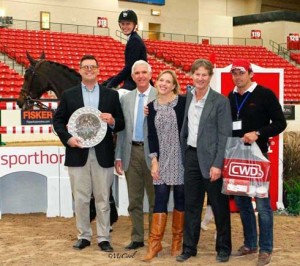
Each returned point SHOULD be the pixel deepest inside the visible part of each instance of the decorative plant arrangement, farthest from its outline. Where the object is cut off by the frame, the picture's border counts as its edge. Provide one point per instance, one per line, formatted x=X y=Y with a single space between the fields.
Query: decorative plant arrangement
x=291 y=172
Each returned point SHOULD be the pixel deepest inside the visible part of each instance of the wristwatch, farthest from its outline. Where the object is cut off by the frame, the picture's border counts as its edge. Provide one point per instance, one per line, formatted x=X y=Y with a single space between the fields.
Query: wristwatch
x=257 y=133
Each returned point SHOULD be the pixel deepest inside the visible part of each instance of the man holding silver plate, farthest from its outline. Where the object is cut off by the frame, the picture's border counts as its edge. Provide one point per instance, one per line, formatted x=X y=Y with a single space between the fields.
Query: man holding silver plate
x=86 y=118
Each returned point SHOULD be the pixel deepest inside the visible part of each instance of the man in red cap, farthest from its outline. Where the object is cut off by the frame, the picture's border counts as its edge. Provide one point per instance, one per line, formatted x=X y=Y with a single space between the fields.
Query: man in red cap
x=257 y=116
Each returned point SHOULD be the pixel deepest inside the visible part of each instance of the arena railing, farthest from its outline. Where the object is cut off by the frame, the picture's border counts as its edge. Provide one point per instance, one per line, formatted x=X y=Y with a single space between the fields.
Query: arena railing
x=86 y=29
x=60 y=27
x=280 y=49
x=166 y=36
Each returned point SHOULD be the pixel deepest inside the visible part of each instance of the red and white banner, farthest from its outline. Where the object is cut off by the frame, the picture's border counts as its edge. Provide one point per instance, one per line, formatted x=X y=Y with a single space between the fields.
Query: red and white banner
x=26 y=129
x=14 y=106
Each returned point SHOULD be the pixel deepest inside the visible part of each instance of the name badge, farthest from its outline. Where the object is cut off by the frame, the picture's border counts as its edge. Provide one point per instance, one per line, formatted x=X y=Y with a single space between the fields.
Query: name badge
x=237 y=125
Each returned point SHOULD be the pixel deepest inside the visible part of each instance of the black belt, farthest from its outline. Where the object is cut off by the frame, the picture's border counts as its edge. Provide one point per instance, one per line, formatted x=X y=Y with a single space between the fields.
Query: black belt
x=192 y=148
x=137 y=143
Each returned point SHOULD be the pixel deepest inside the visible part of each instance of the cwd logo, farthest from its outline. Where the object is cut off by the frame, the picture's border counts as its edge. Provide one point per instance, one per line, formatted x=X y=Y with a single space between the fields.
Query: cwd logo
x=244 y=170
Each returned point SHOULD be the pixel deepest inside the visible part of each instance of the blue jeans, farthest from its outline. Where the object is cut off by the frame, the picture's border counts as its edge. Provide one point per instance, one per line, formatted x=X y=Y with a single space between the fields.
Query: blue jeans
x=265 y=222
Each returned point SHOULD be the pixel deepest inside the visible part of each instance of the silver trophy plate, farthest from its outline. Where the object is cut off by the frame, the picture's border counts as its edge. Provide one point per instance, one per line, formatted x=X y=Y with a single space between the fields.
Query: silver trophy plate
x=86 y=124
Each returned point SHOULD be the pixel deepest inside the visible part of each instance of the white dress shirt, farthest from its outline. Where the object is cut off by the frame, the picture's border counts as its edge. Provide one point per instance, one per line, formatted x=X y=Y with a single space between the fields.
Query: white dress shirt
x=145 y=98
x=194 y=116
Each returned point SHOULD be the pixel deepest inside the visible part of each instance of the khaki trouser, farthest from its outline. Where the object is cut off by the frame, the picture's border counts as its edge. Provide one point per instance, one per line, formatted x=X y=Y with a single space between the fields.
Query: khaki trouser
x=139 y=178
x=85 y=181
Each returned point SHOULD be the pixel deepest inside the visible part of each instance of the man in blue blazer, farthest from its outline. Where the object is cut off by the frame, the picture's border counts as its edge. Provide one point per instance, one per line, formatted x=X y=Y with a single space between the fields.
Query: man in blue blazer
x=206 y=127
x=132 y=152
x=90 y=169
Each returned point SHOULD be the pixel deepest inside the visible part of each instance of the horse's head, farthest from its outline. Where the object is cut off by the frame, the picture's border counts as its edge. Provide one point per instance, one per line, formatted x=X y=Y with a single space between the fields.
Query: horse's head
x=34 y=86
x=43 y=76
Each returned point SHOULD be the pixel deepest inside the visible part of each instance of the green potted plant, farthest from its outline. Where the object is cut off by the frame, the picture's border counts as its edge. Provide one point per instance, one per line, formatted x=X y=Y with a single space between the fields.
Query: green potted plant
x=291 y=172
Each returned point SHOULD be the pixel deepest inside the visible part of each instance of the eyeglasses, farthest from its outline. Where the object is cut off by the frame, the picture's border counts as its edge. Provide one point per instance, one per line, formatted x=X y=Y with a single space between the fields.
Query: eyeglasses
x=89 y=67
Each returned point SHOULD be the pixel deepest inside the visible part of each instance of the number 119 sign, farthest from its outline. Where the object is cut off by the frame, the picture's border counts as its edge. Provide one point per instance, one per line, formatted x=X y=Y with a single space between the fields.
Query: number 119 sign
x=255 y=34
x=102 y=22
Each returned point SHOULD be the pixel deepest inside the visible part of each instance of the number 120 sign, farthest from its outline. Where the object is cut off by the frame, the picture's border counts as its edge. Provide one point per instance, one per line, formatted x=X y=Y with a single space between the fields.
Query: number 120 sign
x=255 y=34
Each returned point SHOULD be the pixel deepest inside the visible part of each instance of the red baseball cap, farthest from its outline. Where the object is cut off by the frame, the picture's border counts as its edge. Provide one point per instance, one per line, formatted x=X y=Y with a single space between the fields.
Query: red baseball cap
x=241 y=64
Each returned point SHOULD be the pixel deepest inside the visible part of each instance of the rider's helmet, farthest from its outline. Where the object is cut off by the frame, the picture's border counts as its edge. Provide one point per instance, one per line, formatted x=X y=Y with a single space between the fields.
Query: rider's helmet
x=128 y=15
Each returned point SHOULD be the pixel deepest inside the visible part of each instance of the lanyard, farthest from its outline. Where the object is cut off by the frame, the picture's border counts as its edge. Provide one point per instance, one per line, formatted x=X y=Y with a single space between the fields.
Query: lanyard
x=239 y=107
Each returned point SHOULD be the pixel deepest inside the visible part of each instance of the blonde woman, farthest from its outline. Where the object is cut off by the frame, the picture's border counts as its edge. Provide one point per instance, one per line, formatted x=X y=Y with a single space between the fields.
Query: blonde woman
x=165 y=120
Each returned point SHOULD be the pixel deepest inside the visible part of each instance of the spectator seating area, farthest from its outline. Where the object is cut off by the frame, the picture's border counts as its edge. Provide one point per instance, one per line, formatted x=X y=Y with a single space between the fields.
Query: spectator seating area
x=295 y=57
x=182 y=54
x=68 y=48
x=10 y=82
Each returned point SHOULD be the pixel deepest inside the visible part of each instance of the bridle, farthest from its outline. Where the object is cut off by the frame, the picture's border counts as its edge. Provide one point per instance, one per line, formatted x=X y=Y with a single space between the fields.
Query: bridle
x=25 y=93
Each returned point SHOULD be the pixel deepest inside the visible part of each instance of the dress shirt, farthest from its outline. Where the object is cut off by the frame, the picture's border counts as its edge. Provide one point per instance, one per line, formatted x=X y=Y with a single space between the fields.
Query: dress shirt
x=146 y=93
x=91 y=97
x=194 y=116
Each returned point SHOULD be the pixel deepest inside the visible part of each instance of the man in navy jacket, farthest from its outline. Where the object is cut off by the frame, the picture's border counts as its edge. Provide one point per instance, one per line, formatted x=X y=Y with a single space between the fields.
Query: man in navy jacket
x=90 y=169
x=135 y=50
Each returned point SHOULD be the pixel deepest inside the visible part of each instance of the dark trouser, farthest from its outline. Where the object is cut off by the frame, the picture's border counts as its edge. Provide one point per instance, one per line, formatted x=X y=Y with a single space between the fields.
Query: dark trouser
x=195 y=186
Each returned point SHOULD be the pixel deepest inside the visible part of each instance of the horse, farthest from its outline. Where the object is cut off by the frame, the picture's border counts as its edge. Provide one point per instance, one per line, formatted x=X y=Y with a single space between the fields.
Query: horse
x=42 y=76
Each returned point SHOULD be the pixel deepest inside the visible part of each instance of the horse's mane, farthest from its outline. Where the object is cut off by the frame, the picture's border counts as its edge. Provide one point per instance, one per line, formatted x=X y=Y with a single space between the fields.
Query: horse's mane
x=71 y=70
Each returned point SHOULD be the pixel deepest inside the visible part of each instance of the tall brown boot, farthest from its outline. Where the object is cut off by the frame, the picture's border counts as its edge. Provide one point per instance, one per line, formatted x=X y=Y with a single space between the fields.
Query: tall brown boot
x=158 y=226
x=177 y=230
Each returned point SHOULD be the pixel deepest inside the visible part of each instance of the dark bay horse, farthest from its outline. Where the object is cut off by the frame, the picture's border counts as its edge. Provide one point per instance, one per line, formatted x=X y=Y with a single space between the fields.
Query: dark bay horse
x=42 y=76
